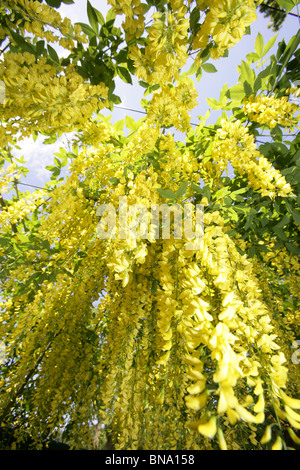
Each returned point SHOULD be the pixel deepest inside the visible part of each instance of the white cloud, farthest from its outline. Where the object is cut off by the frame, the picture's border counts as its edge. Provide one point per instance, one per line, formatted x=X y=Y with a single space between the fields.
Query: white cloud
x=37 y=156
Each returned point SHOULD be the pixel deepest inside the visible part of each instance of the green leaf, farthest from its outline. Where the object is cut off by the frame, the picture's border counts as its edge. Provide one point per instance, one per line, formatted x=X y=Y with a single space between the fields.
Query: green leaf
x=280 y=233
x=237 y=92
x=199 y=74
x=21 y=42
x=194 y=18
x=87 y=30
x=269 y=45
x=111 y=15
x=23 y=238
x=247 y=74
x=235 y=195
x=257 y=85
x=284 y=221
x=53 y=54
x=248 y=89
x=119 y=125
x=100 y=17
x=221 y=193
x=296 y=216
x=143 y=84
x=124 y=74
x=166 y=193
x=40 y=47
x=248 y=222
x=232 y=215
x=209 y=68
x=55 y=173
x=50 y=140
x=130 y=123
x=196 y=188
x=206 y=192
x=223 y=97
x=114 y=180
x=114 y=99
x=252 y=57
x=259 y=44
x=293 y=248
x=92 y=17
x=213 y=104
x=54 y=3
x=182 y=190
x=57 y=162
x=154 y=287
x=288 y=5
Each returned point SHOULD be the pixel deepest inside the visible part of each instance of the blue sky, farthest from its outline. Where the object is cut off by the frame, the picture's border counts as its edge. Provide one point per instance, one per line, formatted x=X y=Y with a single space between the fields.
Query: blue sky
x=39 y=155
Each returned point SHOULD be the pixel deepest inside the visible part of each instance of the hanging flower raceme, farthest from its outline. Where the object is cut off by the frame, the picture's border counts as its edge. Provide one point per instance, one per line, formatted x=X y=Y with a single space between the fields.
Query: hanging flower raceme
x=8 y=175
x=170 y=105
x=50 y=102
x=134 y=23
x=270 y=111
x=19 y=209
x=166 y=49
x=234 y=144
x=120 y=312
x=182 y=345
x=44 y=22
x=225 y=23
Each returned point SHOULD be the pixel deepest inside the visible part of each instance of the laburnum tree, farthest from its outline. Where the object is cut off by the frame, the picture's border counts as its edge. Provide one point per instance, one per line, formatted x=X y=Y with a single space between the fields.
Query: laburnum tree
x=145 y=339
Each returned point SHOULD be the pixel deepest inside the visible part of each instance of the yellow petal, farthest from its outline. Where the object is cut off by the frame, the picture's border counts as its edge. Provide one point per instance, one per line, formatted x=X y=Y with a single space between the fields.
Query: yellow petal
x=232 y=415
x=277 y=444
x=294 y=436
x=260 y=404
x=293 y=422
x=196 y=403
x=198 y=387
x=221 y=439
x=245 y=414
x=167 y=335
x=195 y=373
x=279 y=411
x=208 y=429
x=291 y=402
x=228 y=298
x=192 y=360
x=164 y=358
x=260 y=417
x=222 y=404
x=167 y=346
x=292 y=413
x=267 y=435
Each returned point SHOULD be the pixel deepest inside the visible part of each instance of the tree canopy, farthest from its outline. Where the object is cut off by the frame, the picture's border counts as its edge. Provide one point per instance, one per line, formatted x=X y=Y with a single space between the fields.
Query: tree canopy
x=110 y=324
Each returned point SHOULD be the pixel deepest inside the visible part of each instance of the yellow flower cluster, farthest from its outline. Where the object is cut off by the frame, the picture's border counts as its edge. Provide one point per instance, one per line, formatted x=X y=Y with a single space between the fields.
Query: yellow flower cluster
x=187 y=348
x=225 y=22
x=271 y=111
x=19 y=209
x=170 y=105
x=167 y=39
x=234 y=144
x=134 y=23
x=93 y=133
x=169 y=347
x=166 y=49
x=43 y=100
x=39 y=17
x=8 y=175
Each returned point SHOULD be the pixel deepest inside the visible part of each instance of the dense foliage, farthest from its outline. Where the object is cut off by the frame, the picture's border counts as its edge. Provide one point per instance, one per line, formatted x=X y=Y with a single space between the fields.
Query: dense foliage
x=143 y=338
